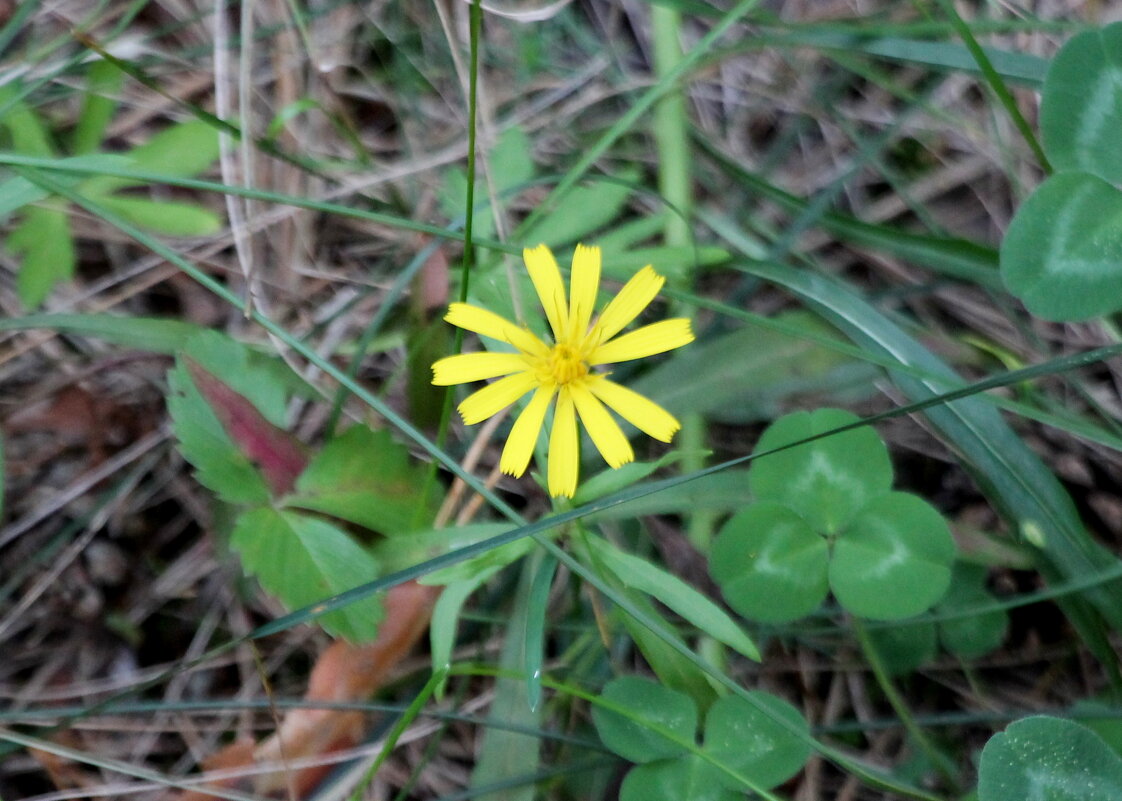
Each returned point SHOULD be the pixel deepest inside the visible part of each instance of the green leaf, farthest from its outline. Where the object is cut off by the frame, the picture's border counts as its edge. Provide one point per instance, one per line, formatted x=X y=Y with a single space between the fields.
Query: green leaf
x=44 y=241
x=977 y=635
x=103 y=81
x=155 y=335
x=770 y=564
x=673 y=593
x=219 y=464
x=722 y=492
x=903 y=648
x=533 y=635
x=1062 y=253
x=614 y=479
x=302 y=560
x=365 y=477
x=164 y=216
x=644 y=704
x=511 y=165
x=690 y=777
x=673 y=262
x=893 y=560
x=753 y=742
x=1049 y=759
x=826 y=481
x=17 y=191
x=582 y=211
x=446 y=616
x=1081 y=104
x=750 y=374
x=29 y=136
x=183 y=150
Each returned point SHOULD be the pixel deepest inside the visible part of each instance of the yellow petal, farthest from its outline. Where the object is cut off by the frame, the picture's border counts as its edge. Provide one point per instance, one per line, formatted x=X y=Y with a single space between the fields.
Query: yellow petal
x=489 y=324
x=524 y=433
x=547 y=281
x=604 y=430
x=493 y=398
x=644 y=414
x=564 y=448
x=466 y=367
x=646 y=341
x=635 y=296
x=584 y=283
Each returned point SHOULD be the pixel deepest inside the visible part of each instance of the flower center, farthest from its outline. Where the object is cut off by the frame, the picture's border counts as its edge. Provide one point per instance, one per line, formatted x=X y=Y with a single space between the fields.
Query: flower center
x=565 y=364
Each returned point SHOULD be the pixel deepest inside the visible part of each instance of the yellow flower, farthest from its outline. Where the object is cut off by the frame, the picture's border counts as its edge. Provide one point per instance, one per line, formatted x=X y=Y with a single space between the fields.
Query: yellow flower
x=565 y=369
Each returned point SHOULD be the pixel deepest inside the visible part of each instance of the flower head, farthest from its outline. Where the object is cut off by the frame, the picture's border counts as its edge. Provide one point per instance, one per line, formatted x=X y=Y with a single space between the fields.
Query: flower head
x=566 y=368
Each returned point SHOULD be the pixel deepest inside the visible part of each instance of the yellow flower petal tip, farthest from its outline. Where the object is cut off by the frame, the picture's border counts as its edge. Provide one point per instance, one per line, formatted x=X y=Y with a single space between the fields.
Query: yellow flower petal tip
x=564 y=369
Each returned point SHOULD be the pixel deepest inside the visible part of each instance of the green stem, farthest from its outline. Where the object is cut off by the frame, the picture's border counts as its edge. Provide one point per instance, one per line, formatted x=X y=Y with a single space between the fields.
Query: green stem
x=899 y=706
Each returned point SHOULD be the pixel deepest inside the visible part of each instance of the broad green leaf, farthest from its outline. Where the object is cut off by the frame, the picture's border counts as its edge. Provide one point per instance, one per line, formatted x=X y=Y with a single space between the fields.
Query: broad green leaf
x=753 y=742
x=689 y=777
x=1009 y=472
x=977 y=635
x=826 y=481
x=257 y=376
x=749 y=374
x=644 y=704
x=582 y=211
x=302 y=560
x=770 y=564
x=165 y=216
x=1062 y=253
x=44 y=242
x=365 y=477
x=155 y=335
x=183 y=150
x=1081 y=104
x=893 y=560
x=1048 y=759
x=904 y=647
x=675 y=594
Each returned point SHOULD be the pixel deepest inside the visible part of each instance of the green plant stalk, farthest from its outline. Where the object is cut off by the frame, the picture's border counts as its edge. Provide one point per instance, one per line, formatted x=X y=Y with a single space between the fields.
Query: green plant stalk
x=896 y=701
x=1004 y=96
x=469 y=248
x=412 y=711
x=671 y=134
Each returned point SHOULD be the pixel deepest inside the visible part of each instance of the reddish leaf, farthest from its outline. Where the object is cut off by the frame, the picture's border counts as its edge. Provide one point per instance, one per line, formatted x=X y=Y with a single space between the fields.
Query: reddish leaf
x=279 y=456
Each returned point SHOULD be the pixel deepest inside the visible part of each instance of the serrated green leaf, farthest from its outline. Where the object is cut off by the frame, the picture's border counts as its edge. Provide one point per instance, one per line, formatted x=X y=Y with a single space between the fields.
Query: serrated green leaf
x=366 y=477
x=770 y=564
x=689 y=777
x=825 y=481
x=675 y=594
x=165 y=216
x=1061 y=253
x=44 y=241
x=183 y=150
x=644 y=707
x=1049 y=759
x=1081 y=104
x=753 y=742
x=302 y=560
x=893 y=560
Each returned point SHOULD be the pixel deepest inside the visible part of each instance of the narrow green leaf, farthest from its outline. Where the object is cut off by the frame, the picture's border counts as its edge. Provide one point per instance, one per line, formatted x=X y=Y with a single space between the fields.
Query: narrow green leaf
x=155 y=335
x=583 y=210
x=302 y=560
x=103 y=81
x=674 y=593
x=446 y=617
x=533 y=638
